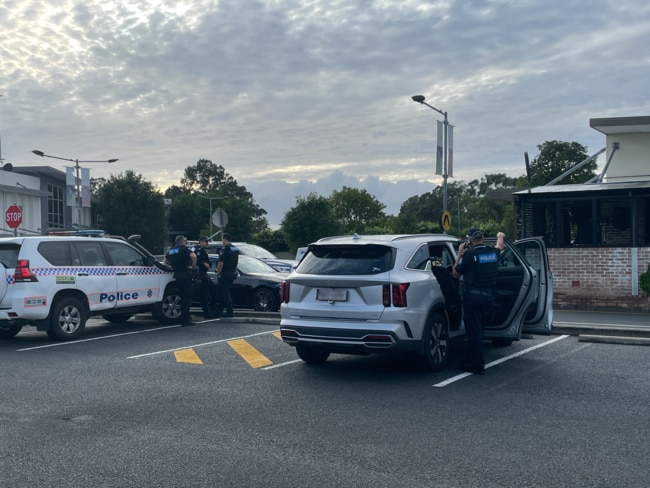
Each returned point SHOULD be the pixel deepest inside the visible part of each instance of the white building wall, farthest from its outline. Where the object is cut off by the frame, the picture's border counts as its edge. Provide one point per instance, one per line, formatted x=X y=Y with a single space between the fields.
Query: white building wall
x=631 y=162
x=29 y=204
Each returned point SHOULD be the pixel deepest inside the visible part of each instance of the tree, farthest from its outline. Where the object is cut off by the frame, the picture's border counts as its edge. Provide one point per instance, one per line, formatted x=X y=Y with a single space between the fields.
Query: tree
x=131 y=205
x=356 y=209
x=207 y=179
x=555 y=158
x=311 y=219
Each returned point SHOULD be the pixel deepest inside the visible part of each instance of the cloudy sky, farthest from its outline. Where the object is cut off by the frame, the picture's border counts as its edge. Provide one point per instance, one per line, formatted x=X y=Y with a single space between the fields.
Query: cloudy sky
x=294 y=96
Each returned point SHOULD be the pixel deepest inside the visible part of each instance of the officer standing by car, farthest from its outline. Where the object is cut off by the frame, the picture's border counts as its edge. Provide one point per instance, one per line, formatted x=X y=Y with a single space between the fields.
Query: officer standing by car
x=478 y=264
x=183 y=262
x=227 y=272
x=209 y=290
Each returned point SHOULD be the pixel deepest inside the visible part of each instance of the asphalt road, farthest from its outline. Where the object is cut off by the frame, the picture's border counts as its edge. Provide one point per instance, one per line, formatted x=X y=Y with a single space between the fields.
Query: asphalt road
x=228 y=404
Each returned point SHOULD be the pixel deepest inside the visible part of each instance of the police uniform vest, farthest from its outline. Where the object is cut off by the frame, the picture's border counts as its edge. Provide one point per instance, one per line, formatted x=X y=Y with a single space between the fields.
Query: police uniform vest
x=202 y=257
x=483 y=273
x=229 y=255
x=179 y=257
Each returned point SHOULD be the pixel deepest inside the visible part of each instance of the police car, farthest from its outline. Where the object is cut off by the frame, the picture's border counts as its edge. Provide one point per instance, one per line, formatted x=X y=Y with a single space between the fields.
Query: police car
x=364 y=294
x=55 y=283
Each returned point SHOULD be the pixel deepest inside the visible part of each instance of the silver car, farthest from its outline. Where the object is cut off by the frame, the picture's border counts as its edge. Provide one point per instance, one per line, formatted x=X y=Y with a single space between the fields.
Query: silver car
x=394 y=293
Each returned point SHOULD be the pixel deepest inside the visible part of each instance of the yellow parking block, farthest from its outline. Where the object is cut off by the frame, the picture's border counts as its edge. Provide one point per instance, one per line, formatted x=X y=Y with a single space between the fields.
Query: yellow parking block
x=187 y=356
x=251 y=355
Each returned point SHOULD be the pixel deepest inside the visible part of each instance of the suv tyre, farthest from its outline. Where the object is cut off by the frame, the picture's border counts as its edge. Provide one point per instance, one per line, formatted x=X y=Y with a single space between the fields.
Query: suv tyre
x=311 y=355
x=435 y=344
x=68 y=319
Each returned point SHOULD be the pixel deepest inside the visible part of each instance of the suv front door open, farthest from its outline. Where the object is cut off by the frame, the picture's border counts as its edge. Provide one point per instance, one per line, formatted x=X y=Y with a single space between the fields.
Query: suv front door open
x=539 y=319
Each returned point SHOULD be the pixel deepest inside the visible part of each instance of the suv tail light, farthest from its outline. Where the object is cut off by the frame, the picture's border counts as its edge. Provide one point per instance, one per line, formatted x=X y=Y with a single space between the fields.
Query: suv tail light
x=395 y=295
x=284 y=292
x=22 y=273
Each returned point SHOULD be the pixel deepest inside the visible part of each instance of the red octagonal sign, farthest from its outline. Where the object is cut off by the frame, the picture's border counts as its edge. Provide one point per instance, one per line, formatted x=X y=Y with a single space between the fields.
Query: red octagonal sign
x=14 y=216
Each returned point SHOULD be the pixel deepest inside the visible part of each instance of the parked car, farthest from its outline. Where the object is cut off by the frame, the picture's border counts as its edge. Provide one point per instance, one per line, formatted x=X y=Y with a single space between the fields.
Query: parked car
x=255 y=251
x=56 y=283
x=390 y=293
x=257 y=285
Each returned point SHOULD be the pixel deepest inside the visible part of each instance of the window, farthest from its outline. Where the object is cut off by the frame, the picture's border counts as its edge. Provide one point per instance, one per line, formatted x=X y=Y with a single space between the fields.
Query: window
x=88 y=253
x=55 y=207
x=347 y=260
x=123 y=255
x=57 y=253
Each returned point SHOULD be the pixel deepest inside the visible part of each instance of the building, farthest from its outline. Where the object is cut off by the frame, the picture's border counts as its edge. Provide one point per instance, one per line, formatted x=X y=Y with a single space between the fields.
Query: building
x=598 y=233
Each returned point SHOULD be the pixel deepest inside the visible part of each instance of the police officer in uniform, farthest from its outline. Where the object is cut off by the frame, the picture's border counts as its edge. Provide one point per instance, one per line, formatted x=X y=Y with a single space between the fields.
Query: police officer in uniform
x=183 y=262
x=209 y=290
x=227 y=272
x=478 y=264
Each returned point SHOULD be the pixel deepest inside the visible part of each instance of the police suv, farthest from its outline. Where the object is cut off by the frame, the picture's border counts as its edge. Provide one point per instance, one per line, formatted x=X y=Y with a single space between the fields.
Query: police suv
x=56 y=283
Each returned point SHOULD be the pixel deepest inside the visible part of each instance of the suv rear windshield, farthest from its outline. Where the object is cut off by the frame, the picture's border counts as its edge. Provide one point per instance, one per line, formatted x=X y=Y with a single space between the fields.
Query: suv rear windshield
x=347 y=260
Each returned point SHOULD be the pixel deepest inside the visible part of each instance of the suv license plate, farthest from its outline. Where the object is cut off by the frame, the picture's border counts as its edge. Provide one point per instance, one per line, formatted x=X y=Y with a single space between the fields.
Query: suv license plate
x=332 y=294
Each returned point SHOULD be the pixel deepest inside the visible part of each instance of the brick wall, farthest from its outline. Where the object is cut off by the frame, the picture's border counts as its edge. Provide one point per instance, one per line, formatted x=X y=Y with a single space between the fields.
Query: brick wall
x=598 y=278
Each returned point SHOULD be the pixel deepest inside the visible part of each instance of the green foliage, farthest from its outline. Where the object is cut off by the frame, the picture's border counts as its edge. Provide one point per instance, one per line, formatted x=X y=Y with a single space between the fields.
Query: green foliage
x=312 y=218
x=556 y=157
x=130 y=205
x=356 y=210
x=644 y=280
x=205 y=188
x=273 y=240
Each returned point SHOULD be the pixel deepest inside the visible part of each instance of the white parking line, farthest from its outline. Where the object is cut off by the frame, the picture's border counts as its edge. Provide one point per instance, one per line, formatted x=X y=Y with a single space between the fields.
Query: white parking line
x=501 y=360
x=273 y=366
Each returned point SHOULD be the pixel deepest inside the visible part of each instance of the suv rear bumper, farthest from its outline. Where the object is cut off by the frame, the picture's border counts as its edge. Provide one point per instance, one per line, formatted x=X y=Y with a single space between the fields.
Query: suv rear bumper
x=346 y=340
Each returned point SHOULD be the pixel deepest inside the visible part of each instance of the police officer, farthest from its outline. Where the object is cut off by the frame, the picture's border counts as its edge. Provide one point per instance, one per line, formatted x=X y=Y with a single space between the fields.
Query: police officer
x=227 y=272
x=478 y=264
x=209 y=290
x=183 y=262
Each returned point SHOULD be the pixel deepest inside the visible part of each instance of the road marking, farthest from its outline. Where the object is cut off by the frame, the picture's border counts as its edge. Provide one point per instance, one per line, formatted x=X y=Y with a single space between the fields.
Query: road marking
x=79 y=341
x=251 y=355
x=283 y=364
x=501 y=360
x=187 y=356
x=197 y=345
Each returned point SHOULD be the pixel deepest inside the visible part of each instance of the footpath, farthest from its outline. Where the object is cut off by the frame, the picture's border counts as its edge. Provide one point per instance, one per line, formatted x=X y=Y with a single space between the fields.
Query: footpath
x=604 y=327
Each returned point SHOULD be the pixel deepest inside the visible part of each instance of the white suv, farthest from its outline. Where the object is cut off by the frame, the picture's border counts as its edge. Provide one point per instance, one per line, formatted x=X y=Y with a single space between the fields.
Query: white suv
x=388 y=293
x=55 y=283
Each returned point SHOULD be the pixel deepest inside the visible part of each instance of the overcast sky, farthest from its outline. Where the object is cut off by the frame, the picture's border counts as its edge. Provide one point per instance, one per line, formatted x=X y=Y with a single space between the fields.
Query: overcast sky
x=294 y=96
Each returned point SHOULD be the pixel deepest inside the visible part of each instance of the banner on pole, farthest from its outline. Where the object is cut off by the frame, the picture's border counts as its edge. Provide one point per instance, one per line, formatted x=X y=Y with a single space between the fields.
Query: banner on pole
x=450 y=151
x=439 y=149
x=85 y=187
x=69 y=187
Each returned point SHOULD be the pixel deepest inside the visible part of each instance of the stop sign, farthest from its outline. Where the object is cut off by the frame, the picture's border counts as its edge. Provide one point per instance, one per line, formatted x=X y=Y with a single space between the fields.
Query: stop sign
x=13 y=216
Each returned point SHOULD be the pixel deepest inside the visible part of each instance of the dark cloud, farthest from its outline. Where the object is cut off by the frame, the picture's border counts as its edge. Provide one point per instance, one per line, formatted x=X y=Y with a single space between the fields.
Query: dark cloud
x=314 y=94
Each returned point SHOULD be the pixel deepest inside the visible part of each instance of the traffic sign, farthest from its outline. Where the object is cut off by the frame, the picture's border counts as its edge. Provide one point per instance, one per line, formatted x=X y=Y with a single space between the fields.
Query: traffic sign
x=14 y=216
x=445 y=220
x=220 y=218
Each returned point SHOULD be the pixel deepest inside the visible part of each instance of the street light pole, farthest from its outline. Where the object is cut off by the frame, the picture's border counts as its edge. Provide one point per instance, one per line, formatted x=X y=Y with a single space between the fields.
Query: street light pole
x=445 y=173
x=77 y=177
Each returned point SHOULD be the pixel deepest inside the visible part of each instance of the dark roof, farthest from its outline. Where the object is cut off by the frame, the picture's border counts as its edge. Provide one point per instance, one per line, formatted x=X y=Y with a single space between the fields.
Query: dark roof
x=621 y=125
x=586 y=187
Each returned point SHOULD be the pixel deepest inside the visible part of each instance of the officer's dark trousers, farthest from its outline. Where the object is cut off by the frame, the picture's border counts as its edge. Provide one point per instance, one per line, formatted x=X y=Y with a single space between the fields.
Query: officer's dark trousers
x=477 y=306
x=225 y=283
x=184 y=283
x=209 y=296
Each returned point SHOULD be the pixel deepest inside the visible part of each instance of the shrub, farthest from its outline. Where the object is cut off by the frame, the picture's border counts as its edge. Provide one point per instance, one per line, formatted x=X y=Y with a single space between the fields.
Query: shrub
x=644 y=280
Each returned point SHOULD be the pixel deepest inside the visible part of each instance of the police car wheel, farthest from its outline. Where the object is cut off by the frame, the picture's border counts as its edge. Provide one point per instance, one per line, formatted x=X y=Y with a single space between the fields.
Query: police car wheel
x=67 y=320
x=9 y=332
x=170 y=307
x=434 y=352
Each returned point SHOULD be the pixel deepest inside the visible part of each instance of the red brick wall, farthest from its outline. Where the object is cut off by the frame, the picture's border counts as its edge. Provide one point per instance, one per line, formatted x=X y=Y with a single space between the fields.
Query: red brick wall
x=598 y=278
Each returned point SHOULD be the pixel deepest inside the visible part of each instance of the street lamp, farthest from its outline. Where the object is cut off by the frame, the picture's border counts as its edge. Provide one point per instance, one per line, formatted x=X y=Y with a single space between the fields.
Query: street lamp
x=77 y=180
x=421 y=99
x=211 y=198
